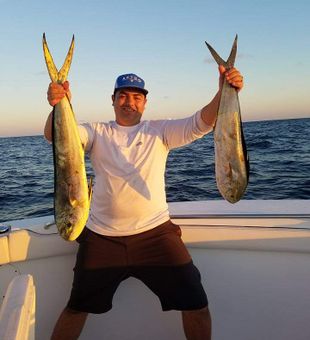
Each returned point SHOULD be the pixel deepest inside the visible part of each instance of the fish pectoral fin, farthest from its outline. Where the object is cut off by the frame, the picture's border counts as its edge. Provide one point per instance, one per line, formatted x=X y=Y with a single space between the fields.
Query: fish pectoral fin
x=73 y=203
x=71 y=197
x=229 y=170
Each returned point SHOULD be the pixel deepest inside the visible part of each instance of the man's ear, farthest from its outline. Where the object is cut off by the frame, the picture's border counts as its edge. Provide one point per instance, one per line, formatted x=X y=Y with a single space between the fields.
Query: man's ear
x=112 y=97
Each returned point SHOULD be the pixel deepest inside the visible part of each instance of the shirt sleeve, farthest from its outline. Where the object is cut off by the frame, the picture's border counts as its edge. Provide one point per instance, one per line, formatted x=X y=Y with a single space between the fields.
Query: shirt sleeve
x=87 y=133
x=179 y=132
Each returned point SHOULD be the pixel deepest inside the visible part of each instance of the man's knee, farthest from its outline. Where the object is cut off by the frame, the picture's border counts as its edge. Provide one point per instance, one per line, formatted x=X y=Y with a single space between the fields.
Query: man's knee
x=202 y=313
x=197 y=324
x=68 y=310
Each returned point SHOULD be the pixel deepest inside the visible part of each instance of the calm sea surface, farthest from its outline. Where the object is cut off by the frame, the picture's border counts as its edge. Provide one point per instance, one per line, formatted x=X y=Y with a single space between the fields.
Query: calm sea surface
x=279 y=160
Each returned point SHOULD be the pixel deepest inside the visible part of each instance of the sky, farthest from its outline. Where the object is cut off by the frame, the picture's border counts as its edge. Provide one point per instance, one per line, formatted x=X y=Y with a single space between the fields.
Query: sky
x=161 y=41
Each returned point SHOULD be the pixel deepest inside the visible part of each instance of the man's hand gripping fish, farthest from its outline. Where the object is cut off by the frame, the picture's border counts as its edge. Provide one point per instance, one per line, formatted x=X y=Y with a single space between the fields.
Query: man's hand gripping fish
x=231 y=158
x=72 y=195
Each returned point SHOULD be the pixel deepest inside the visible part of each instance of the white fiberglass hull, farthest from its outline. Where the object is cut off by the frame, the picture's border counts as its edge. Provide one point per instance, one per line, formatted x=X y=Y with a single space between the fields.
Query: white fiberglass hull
x=254 y=258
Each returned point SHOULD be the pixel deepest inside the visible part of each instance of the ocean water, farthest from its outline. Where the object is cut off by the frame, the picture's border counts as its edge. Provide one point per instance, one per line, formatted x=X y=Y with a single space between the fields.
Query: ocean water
x=279 y=152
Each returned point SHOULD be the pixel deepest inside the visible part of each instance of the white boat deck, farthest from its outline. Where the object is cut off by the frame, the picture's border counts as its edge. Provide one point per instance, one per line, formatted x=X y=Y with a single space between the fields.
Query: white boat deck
x=254 y=258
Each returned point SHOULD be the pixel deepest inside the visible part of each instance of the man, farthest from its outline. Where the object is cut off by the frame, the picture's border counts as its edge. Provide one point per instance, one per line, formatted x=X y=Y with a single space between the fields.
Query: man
x=129 y=232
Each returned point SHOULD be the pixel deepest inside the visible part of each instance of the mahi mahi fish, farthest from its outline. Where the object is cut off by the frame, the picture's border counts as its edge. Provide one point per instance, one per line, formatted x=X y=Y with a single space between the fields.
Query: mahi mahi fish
x=231 y=157
x=71 y=192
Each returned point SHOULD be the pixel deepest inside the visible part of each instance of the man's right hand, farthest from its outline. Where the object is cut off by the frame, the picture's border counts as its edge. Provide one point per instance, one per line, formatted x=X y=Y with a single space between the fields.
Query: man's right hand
x=57 y=91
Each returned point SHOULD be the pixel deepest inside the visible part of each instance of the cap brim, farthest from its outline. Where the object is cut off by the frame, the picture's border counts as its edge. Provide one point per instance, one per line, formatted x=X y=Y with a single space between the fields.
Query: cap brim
x=144 y=91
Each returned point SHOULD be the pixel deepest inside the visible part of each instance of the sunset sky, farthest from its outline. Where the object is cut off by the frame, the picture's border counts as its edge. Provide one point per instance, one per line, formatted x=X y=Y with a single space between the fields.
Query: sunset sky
x=163 y=42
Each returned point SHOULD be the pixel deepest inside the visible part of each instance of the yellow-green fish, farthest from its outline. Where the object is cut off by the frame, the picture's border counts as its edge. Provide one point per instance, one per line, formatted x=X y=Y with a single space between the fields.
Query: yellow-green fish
x=71 y=193
x=231 y=158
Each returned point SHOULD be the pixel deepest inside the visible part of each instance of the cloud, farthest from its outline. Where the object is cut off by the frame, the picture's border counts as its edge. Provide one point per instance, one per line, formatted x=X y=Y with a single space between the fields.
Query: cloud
x=245 y=56
x=209 y=61
x=300 y=64
x=40 y=73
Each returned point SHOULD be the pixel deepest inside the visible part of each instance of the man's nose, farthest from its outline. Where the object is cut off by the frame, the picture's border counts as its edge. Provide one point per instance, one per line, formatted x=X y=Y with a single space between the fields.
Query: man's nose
x=129 y=100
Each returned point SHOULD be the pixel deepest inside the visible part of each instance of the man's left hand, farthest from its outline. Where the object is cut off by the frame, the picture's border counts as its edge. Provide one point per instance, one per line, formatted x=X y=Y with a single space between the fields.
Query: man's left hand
x=233 y=77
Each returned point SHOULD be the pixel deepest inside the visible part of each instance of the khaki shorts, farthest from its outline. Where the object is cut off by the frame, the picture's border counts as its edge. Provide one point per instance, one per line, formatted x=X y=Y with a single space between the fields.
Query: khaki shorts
x=157 y=257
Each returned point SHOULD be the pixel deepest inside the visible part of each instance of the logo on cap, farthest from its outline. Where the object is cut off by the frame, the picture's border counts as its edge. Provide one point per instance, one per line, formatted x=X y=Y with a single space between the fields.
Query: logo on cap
x=132 y=78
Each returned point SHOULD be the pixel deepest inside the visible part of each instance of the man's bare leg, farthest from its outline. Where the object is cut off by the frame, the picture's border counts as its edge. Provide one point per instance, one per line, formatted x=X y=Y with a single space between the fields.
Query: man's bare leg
x=197 y=324
x=69 y=325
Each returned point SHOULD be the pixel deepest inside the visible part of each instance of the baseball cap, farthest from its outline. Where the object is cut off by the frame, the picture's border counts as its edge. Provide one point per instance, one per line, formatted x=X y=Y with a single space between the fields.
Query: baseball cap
x=130 y=80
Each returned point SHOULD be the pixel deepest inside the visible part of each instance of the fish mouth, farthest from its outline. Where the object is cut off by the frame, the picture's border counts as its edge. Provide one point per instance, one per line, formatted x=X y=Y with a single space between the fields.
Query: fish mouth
x=66 y=230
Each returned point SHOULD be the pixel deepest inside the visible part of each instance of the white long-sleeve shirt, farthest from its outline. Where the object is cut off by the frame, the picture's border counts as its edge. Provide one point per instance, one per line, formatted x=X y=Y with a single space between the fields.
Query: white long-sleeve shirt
x=129 y=163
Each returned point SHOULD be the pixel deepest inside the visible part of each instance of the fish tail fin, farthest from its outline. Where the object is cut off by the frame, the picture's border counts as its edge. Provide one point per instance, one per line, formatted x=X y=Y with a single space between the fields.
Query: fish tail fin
x=215 y=55
x=232 y=56
x=51 y=67
x=231 y=59
x=56 y=76
x=63 y=73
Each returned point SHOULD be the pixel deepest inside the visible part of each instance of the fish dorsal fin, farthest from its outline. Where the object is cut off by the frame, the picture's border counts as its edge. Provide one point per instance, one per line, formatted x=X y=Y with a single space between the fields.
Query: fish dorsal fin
x=61 y=76
x=90 y=189
x=229 y=63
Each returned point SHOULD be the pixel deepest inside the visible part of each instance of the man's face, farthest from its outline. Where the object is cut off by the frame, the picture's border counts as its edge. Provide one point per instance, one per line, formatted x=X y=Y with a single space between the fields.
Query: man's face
x=129 y=106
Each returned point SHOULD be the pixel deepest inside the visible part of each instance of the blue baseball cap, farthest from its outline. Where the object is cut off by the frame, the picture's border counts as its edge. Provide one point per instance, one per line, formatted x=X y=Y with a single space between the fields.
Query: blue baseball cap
x=130 y=80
